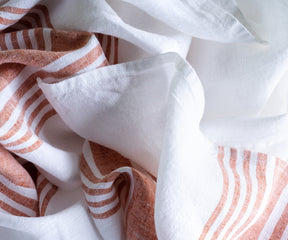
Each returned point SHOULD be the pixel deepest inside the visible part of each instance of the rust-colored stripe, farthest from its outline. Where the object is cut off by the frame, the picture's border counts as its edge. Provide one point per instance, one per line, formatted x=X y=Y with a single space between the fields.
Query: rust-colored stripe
x=12 y=210
x=31 y=81
x=36 y=18
x=2 y=42
x=7 y=22
x=40 y=38
x=32 y=148
x=140 y=213
x=12 y=131
x=261 y=187
x=223 y=198
x=41 y=186
x=52 y=112
x=38 y=128
x=38 y=59
x=279 y=183
x=116 y=43
x=36 y=111
x=16 y=197
x=80 y=64
x=104 y=202
x=8 y=72
x=106 y=159
x=108 y=213
x=14 y=10
x=86 y=171
x=74 y=67
x=97 y=192
x=13 y=171
x=45 y=11
x=14 y=40
x=123 y=185
x=27 y=40
x=10 y=106
x=43 y=120
x=246 y=163
x=20 y=120
x=47 y=199
x=21 y=140
x=281 y=225
x=236 y=194
x=69 y=41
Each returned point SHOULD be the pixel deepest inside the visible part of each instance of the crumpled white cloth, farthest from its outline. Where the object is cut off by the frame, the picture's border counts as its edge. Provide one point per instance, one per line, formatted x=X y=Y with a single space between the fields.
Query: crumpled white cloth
x=156 y=27
x=168 y=115
x=242 y=76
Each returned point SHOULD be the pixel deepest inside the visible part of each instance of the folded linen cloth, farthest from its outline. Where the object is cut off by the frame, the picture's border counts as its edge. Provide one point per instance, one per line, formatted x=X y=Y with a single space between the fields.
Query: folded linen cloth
x=211 y=192
x=97 y=151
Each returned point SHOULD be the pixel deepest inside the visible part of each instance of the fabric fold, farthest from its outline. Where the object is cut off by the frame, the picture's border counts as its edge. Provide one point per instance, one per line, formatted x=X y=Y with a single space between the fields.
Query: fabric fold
x=170 y=146
x=121 y=104
x=242 y=77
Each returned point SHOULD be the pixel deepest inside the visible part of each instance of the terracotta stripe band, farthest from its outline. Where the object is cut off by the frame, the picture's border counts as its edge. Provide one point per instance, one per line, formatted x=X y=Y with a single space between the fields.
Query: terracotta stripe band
x=17 y=197
x=107 y=214
x=2 y=42
x=36 y=18
x=9 y=71
x=104 y=202
x=246 y=163
x=106 y=159
x=7 y=22
x=45 y=11
x=32 y=148
x=12 y=210
x=223 y=198
x=279 y=183
x=236 y=194
x=261 y=188
x=14 y=40
x=20 y=120
x=116 y=43
x=281 y=225
x=97 y=192
x=14 y=10
x=43 y=120
x=47 y=199
x=41 y=186
x=27 y=39
x=40 y=38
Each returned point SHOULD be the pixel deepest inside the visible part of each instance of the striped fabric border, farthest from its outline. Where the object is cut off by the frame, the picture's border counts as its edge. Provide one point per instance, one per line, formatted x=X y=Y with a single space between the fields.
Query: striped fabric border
x=36 y=17
x=18 y=194
x=23 y=109
x=50 y=55
x=253 y=203
x=113 y=187
x=110 y=47
x=45 y=191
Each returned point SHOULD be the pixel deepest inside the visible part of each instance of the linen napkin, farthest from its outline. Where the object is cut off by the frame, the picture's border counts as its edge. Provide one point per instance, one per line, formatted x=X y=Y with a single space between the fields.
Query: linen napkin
x=128 y=151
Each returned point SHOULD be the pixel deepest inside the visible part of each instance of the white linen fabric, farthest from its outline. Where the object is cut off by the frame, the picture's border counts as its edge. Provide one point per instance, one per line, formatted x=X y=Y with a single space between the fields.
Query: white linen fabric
x=143 y=119
x=140 y=25
x=244 y=86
